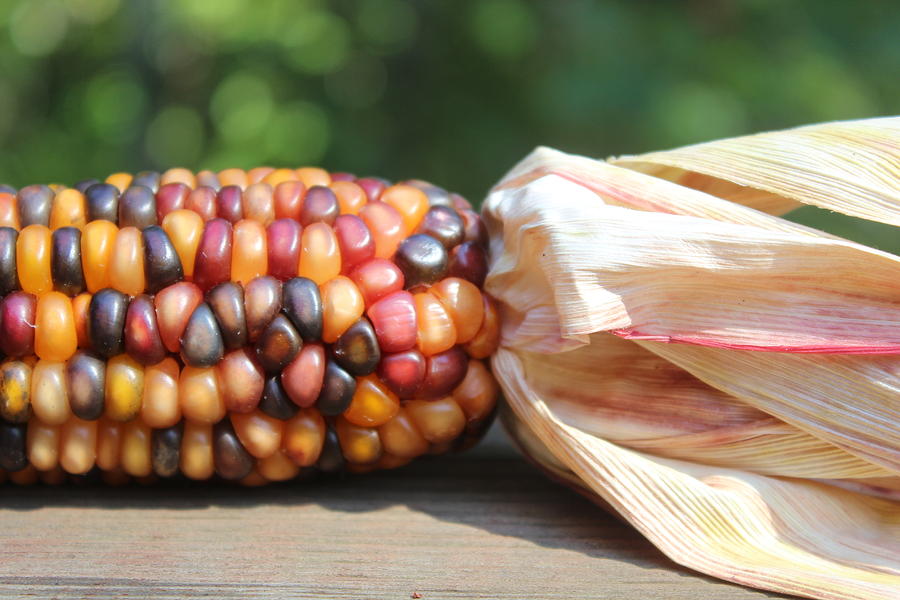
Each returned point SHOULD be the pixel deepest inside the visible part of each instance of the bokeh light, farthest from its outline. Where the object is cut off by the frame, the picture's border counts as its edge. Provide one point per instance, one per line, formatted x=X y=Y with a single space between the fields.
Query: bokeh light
x=504 y=28
x=241 y=106
x=389 y=25
x=38 y=27
x=91 y=11
x=175 y=134
x=317 y=43
x=113 y=104
x=455 y=92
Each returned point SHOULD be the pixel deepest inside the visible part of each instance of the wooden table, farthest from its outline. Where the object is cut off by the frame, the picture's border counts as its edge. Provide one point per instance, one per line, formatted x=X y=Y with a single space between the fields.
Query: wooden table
x=481 y=525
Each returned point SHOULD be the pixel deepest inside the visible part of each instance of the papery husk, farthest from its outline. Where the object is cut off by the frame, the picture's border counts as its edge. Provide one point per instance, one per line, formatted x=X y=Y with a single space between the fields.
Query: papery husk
x=634 y=398
x=726 y=380
x=851 y=167
x=788 y=535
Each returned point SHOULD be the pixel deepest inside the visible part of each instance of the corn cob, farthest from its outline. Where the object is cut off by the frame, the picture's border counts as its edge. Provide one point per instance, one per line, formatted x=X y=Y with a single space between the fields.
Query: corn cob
x=255 y=326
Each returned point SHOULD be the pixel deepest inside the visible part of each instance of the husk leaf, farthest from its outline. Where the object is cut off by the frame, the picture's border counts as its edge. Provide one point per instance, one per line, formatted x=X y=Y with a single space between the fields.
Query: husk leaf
x=851 y=167
x=725 y=379
x=788 y=535
x=632 y=397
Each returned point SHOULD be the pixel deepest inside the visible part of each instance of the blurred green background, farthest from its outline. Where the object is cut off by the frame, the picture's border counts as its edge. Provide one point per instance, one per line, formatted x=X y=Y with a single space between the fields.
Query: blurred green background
x=454 y=92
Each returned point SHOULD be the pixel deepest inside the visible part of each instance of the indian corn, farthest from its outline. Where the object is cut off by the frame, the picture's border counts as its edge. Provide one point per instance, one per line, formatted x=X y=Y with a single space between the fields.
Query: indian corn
x=253 y=325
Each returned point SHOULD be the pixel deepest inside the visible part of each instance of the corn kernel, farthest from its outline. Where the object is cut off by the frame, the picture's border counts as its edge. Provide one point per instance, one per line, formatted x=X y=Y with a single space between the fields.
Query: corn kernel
x=55 y=337
x=33 y=251
x=97 y=244
x=68 y=210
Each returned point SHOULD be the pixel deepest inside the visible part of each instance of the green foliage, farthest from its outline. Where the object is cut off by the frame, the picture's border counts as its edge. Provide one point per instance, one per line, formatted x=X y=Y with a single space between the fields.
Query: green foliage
x=451 y=91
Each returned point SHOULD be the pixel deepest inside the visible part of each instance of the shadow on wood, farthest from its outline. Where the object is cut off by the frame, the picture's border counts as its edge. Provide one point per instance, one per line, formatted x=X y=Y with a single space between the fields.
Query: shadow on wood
x=453 y=527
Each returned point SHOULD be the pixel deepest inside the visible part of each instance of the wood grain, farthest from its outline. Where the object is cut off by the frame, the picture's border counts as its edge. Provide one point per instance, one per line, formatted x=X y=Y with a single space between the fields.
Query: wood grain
x=467 y=527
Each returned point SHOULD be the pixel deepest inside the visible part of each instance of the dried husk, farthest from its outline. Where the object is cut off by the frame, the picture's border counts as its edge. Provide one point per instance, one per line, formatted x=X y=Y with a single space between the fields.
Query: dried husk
x=727 y=381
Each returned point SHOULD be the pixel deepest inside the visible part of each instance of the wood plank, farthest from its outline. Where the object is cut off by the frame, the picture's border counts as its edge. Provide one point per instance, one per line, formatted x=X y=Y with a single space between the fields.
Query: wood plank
x=467 y=527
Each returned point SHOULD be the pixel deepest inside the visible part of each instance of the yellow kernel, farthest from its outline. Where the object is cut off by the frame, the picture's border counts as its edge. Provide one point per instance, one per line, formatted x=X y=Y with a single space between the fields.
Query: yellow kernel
x=184 y=228
x=120 y=180
x=136 y=458
x=68 y=210
x=126 y=268
x=311 y=176
x=55 y=337
x=342 y=306
x=49 y=398
x=124 y=388
x=33 y=250
x=97 y=243
x=179 y=175
x=320 y=254
x=78 y=446
x=42 y=445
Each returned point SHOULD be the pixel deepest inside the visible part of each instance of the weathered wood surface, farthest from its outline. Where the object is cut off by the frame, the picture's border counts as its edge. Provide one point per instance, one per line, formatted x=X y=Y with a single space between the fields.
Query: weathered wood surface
x=486 y=525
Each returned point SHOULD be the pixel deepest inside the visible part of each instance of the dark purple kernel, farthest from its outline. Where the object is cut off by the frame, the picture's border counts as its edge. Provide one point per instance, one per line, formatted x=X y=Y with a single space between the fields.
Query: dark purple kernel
x=137 y=207
x=34 y=203
x=302 y=303
x=86 y=385
x=201 y=343
x=356 y=350
x=331 y=459
x=148 y=179
x=278 y=344
x=338 y=387
x=84 y=184
x=227 y=303
x=65 y=261
x=106 y=322
x=231 y=459
x=165 y=450
x=275 y=401
x=162 y=265
x=422 y=259
x=443 y=224
x=13 y=455
x=102 y=201
x=9 y=276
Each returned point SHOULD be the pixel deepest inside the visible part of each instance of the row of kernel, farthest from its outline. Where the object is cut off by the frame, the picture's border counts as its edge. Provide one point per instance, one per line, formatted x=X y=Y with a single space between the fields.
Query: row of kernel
x=322 y=242
x=143 y=204
x=309 y=176
x=68 y=260
x=306 y=176
x=122 y=389
x=361 y=321
x=132 y=261
x=233 y=447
